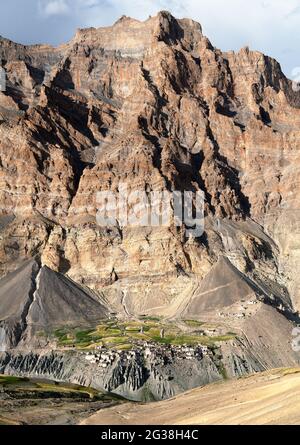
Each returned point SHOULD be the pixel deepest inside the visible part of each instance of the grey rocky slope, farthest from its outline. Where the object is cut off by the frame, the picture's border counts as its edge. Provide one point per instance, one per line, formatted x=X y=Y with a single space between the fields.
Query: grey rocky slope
x=36 y=299
x=134 y=375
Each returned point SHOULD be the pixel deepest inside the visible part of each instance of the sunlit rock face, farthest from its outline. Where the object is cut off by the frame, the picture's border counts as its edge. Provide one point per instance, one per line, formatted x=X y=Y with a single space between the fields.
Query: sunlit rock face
x=155 y=106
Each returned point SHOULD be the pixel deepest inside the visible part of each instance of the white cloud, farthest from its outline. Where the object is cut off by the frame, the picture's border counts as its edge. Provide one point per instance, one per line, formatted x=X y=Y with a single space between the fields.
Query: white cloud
x=270 y=26
x=54 y=7
x=265 y=25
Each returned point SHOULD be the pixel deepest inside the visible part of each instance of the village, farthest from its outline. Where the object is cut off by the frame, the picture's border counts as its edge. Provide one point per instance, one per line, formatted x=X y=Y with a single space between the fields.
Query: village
x=157 y=354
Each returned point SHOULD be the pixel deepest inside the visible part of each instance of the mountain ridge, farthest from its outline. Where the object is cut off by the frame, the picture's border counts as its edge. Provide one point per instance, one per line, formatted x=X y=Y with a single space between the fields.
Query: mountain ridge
x=154 y=105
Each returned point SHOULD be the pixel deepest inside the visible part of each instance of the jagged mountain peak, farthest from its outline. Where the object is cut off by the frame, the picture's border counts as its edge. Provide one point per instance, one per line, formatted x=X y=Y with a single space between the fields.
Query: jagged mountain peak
x=154 y=105
x=133 y=38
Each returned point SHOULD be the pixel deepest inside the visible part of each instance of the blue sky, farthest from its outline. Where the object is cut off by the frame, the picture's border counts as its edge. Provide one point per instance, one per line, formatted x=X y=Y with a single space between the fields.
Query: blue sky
x=271 y=26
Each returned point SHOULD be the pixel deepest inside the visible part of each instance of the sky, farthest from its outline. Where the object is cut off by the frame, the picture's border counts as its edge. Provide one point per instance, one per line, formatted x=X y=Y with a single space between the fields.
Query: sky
x=270 y=26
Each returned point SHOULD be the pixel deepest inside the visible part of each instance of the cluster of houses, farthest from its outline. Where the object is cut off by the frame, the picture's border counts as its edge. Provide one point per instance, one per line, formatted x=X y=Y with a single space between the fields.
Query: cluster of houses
x=158 y=354
x=103 y=357
x=243 y=310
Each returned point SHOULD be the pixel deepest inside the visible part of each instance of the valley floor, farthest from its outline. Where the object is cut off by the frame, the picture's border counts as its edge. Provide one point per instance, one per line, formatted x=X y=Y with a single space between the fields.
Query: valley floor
x=272 y=397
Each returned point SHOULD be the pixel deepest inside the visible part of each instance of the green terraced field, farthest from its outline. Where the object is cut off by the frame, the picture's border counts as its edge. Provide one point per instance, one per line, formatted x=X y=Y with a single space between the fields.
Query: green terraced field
x=124 y=335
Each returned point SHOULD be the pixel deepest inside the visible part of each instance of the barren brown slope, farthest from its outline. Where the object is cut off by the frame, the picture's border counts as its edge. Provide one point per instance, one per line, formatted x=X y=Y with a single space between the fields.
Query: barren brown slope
x=268 y=398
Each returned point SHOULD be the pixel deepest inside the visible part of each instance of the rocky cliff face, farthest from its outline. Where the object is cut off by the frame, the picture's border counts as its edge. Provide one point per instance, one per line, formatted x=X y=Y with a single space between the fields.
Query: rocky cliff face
x=138 y=375
x=155 y=106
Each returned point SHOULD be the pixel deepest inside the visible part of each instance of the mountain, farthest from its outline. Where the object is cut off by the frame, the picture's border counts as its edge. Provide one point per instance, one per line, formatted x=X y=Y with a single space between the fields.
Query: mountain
x=154 y=106
x=37 y=300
